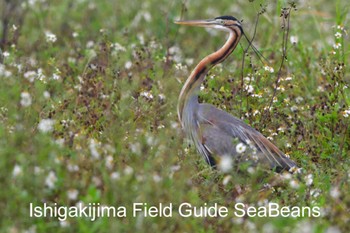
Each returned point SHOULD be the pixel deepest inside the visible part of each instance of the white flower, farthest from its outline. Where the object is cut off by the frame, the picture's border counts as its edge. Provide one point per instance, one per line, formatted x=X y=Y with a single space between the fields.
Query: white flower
x=5 y=54
x=225 y=163
x=240 y=148
x=128 y=65
x=72 y=194
x=340 y=27
x=26 y=99
x=51 y=179
x=294 y=108
x=30 y=75
x=109 y=162
x=90 y=44
x=64 y=224
x=157 y=178
x=17 y=170
x=269 y=69
x=56 y=76
x=226 y=180
x=128 y=170
x=337 y=35
x=249 y=88
x=335 y=193
x=119 y=47
x=346 y=113
x=293 y=39
x=146 y=94
x=50 y=37
x=46 y=125
x=115 y=176
x=309 y=180
x=93 y=149
x=336 y=45
x=46 y=94
x=299 y=99
x=294 y=184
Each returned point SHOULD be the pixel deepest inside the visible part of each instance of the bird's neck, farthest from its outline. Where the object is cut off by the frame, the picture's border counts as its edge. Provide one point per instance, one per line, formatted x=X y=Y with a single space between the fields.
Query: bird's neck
x=189 y=92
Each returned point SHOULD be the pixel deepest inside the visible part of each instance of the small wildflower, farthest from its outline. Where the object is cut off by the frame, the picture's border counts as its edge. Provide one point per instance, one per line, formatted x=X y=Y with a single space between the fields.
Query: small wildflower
x=46 y=125
x=294 y=184
x=64 y=224
x=17 y=170
x=225 y=164
x=251 y=170
x=56 y=76
x=109 y=162
x=315 y=192
x=226 y=180
x=256 y=112
x=93 y=149
x=257 y=95
x=128 y=170
x=309 y=180
x=50 y=180
x=146 y=94
x=90 y=44
x=72 y=194
x=119 y=47
x=340 y=27
x=75 y=34
x=6 y=54
x=337 y=35
x=320 y=89
x=334 y=192
x=299 y=99
x=294 y=108
x=269 y=69
x=189 y=61
x=286 y=176
x=115 y=176
x=46 y=94
x=30 y=75
x=346 y=113
x=157 y=178
x=128 y=65
x=26 y=99
x=240 y=148
x=50 y=37
x=249 y=88
x=288 y=78
x=72 y=167
x=336 y=45
x=294 y=39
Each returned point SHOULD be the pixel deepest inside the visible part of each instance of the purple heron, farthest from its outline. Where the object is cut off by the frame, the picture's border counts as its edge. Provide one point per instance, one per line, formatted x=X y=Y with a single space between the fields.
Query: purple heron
x=216 y=133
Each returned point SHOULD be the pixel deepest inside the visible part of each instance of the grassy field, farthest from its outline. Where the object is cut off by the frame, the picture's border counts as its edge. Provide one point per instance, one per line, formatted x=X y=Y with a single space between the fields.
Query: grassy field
x=88 y=112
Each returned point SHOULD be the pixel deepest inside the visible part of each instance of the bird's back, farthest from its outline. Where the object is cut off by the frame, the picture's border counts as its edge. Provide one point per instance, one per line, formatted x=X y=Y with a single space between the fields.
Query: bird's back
x=220 y=133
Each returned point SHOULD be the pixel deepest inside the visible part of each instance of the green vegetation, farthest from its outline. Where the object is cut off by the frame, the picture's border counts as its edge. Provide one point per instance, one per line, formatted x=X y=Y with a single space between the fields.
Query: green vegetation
x=88 y=100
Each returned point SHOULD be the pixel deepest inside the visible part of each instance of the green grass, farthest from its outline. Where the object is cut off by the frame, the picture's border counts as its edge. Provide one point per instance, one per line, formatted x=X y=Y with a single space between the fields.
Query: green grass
x=115 y=139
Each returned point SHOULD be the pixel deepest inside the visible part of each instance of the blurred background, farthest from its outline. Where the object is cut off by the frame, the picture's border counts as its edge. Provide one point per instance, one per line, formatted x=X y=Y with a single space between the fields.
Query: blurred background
x=88 y=111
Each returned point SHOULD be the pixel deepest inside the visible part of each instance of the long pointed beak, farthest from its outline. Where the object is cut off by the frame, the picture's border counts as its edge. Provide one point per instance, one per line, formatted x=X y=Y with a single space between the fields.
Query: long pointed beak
x=198 y=23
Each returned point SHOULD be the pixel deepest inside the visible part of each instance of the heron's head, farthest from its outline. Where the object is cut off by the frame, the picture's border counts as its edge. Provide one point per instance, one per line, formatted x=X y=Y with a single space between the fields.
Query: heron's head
x=222 y=23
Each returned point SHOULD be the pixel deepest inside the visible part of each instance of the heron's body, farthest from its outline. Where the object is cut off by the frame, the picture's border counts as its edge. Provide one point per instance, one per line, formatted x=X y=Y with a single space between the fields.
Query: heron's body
x=214 y=132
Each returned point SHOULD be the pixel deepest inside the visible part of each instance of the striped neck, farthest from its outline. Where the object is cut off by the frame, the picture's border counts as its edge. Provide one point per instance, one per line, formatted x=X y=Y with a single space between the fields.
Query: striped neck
x=190 y=89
